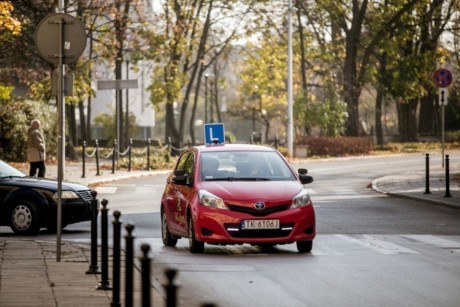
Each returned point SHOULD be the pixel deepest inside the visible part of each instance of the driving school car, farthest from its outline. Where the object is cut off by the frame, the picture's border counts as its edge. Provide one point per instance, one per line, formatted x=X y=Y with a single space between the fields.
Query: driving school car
x=237 y=194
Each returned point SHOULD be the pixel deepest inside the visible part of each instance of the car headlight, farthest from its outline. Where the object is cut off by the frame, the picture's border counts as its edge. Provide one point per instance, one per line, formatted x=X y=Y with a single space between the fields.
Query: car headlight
x=210 y=200
x=65 y=195
x=301 y=200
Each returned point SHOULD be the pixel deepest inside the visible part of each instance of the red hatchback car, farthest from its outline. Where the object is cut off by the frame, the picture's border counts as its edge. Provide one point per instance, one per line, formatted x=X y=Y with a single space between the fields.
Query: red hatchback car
x=237 y=194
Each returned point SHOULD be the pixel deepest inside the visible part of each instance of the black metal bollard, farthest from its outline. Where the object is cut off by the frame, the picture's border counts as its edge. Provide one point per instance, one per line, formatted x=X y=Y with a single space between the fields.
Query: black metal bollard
x=148 y=154
x=93 y=268
x=83 y=159
x=145 y=267
x=170 y=288
x=114 y=152
x=116 y=258
x=129 y=154
x=97 y=158
x=447 y=178
x=104 y=284
x=129 y=272
x=427 y=174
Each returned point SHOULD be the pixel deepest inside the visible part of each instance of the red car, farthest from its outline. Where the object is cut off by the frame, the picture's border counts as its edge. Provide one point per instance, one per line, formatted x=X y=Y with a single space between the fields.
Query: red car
x=237 y=194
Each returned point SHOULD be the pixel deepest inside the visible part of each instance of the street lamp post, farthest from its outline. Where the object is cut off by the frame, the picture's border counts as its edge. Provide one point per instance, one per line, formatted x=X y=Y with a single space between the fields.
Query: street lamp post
x=206 y=98
x=290 y=130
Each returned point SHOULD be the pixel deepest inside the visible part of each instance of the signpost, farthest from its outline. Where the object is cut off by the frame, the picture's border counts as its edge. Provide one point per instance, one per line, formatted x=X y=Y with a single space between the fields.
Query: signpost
x=442 y=79
x=117 y=85
x=214 y=133
x=60 y=39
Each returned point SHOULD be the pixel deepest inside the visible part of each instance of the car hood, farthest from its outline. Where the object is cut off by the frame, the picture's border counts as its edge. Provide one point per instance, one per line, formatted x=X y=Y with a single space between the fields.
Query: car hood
x=272 y=191
x=45 y=183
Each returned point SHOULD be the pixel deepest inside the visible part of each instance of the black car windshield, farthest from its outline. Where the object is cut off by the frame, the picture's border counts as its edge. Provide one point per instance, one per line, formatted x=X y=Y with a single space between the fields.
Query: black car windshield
x=9 y=171
x=244 y=165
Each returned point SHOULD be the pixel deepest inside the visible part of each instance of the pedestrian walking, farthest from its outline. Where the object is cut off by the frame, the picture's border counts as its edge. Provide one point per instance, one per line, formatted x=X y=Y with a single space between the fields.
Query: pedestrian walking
x=36 y=149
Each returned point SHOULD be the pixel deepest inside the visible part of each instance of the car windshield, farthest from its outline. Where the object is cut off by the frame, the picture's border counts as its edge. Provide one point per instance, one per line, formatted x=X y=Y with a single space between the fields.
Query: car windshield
x=9 y=171
x=244 y=165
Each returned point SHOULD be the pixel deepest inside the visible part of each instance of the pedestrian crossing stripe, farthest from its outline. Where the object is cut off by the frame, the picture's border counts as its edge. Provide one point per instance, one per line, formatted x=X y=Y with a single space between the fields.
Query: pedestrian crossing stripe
x=380 y=246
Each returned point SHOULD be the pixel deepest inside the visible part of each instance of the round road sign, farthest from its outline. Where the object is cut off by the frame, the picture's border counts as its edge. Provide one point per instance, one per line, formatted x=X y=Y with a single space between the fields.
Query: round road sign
x=442 y=77
x=47 y=38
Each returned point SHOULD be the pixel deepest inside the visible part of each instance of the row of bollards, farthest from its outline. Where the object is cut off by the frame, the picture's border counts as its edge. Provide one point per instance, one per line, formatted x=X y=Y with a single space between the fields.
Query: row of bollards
x=427 y=176
x=145 y=261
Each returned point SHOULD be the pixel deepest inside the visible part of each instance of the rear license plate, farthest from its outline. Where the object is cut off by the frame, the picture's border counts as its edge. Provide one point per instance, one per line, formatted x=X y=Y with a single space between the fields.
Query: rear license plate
x=260 y=224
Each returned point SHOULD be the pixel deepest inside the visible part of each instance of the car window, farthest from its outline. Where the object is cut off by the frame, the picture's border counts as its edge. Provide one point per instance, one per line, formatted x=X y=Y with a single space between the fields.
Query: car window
x=186 y=163
x=244 y=165
x=7 y=171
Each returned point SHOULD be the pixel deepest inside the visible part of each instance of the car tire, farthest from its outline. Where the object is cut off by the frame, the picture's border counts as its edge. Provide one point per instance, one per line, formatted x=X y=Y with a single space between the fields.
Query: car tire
x=196 y=247
x=24 y=218
x=168 y=239
x=304 y=246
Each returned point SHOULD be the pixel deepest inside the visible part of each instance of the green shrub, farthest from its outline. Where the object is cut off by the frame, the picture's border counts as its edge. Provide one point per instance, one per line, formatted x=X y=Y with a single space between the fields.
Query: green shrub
x=338 y=146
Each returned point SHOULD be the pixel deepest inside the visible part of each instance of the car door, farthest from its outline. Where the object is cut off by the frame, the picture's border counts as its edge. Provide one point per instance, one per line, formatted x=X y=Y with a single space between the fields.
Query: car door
x=183 y=193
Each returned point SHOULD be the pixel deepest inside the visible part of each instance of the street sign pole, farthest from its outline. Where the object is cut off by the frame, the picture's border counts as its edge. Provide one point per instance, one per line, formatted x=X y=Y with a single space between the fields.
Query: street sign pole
x=61 y=148
x=442 y=79
x=60 y=39
x=117 y=85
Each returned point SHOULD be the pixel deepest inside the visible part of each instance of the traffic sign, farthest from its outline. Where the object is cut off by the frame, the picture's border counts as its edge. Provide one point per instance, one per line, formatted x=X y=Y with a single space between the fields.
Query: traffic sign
x=443 y=95
x=116 y=84
x=47 y=38
x=214 y=133
x=442 y=77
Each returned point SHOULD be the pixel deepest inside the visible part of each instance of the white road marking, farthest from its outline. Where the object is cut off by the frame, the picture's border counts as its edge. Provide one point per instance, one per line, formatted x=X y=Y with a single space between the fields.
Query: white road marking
x=380 y=246
x=106 y=190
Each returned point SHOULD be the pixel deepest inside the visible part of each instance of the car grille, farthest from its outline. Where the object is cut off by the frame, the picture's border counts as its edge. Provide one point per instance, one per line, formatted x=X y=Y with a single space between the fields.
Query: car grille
x=235 y=231
x=86 y=195
x=255 y=212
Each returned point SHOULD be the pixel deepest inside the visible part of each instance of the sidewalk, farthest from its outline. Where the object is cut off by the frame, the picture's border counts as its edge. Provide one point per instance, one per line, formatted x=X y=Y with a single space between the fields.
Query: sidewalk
x=413 y=186
x=31 y=276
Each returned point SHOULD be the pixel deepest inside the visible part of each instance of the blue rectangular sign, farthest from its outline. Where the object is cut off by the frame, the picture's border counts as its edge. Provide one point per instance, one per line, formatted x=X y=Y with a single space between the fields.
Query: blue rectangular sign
x=214 y=133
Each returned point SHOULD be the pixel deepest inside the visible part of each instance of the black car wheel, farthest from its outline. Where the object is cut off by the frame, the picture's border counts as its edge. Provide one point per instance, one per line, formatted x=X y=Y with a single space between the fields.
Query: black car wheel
x=168 y=239
x=304 y=246
x=195 y=246
x=24 y=218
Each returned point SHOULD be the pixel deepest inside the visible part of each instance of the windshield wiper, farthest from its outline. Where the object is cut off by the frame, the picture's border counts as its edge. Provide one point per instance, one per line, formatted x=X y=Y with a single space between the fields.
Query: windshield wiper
x=11 y=176
x=238 y=179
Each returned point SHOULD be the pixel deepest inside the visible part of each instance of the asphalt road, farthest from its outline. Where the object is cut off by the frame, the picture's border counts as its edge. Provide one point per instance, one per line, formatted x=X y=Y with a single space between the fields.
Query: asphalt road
x=371 y=250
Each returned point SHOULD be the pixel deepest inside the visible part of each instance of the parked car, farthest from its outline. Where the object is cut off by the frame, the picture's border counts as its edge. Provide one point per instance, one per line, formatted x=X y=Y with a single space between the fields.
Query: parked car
x=28 y=203
x=237 y=194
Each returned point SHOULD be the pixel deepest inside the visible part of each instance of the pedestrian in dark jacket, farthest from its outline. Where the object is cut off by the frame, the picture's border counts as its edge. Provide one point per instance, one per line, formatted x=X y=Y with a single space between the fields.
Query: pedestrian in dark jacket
x=36 y=149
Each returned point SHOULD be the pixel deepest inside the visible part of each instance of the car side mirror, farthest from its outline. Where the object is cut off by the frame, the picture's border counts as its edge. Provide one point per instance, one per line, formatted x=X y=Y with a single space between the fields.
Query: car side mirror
x=180 y=177
x=304 y=178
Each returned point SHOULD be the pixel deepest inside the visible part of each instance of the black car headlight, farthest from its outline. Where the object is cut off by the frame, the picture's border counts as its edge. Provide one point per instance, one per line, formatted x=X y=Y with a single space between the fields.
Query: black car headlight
x=301 y=200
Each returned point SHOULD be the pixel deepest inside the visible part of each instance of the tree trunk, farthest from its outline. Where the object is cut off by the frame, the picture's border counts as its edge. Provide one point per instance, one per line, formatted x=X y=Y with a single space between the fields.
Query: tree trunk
x=408 y=121
x=427 y=117
x=83 y=130
x=379 y=101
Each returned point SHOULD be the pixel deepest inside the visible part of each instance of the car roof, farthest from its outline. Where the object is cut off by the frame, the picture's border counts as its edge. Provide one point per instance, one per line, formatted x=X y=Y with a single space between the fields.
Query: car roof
x=233 y=147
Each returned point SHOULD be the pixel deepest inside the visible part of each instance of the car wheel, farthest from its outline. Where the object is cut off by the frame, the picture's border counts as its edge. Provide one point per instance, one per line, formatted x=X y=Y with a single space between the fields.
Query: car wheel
x=304 y=246
x=24 y=218
x=196 y=247
x=168 y=239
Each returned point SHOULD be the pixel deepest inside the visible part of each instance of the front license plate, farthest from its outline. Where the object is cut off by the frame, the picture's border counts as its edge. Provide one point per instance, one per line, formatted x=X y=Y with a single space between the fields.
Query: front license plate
x=260 y=224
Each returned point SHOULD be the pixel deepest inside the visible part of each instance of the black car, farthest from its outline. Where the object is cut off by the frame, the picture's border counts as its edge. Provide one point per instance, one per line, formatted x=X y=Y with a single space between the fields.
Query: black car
x=29 y=203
